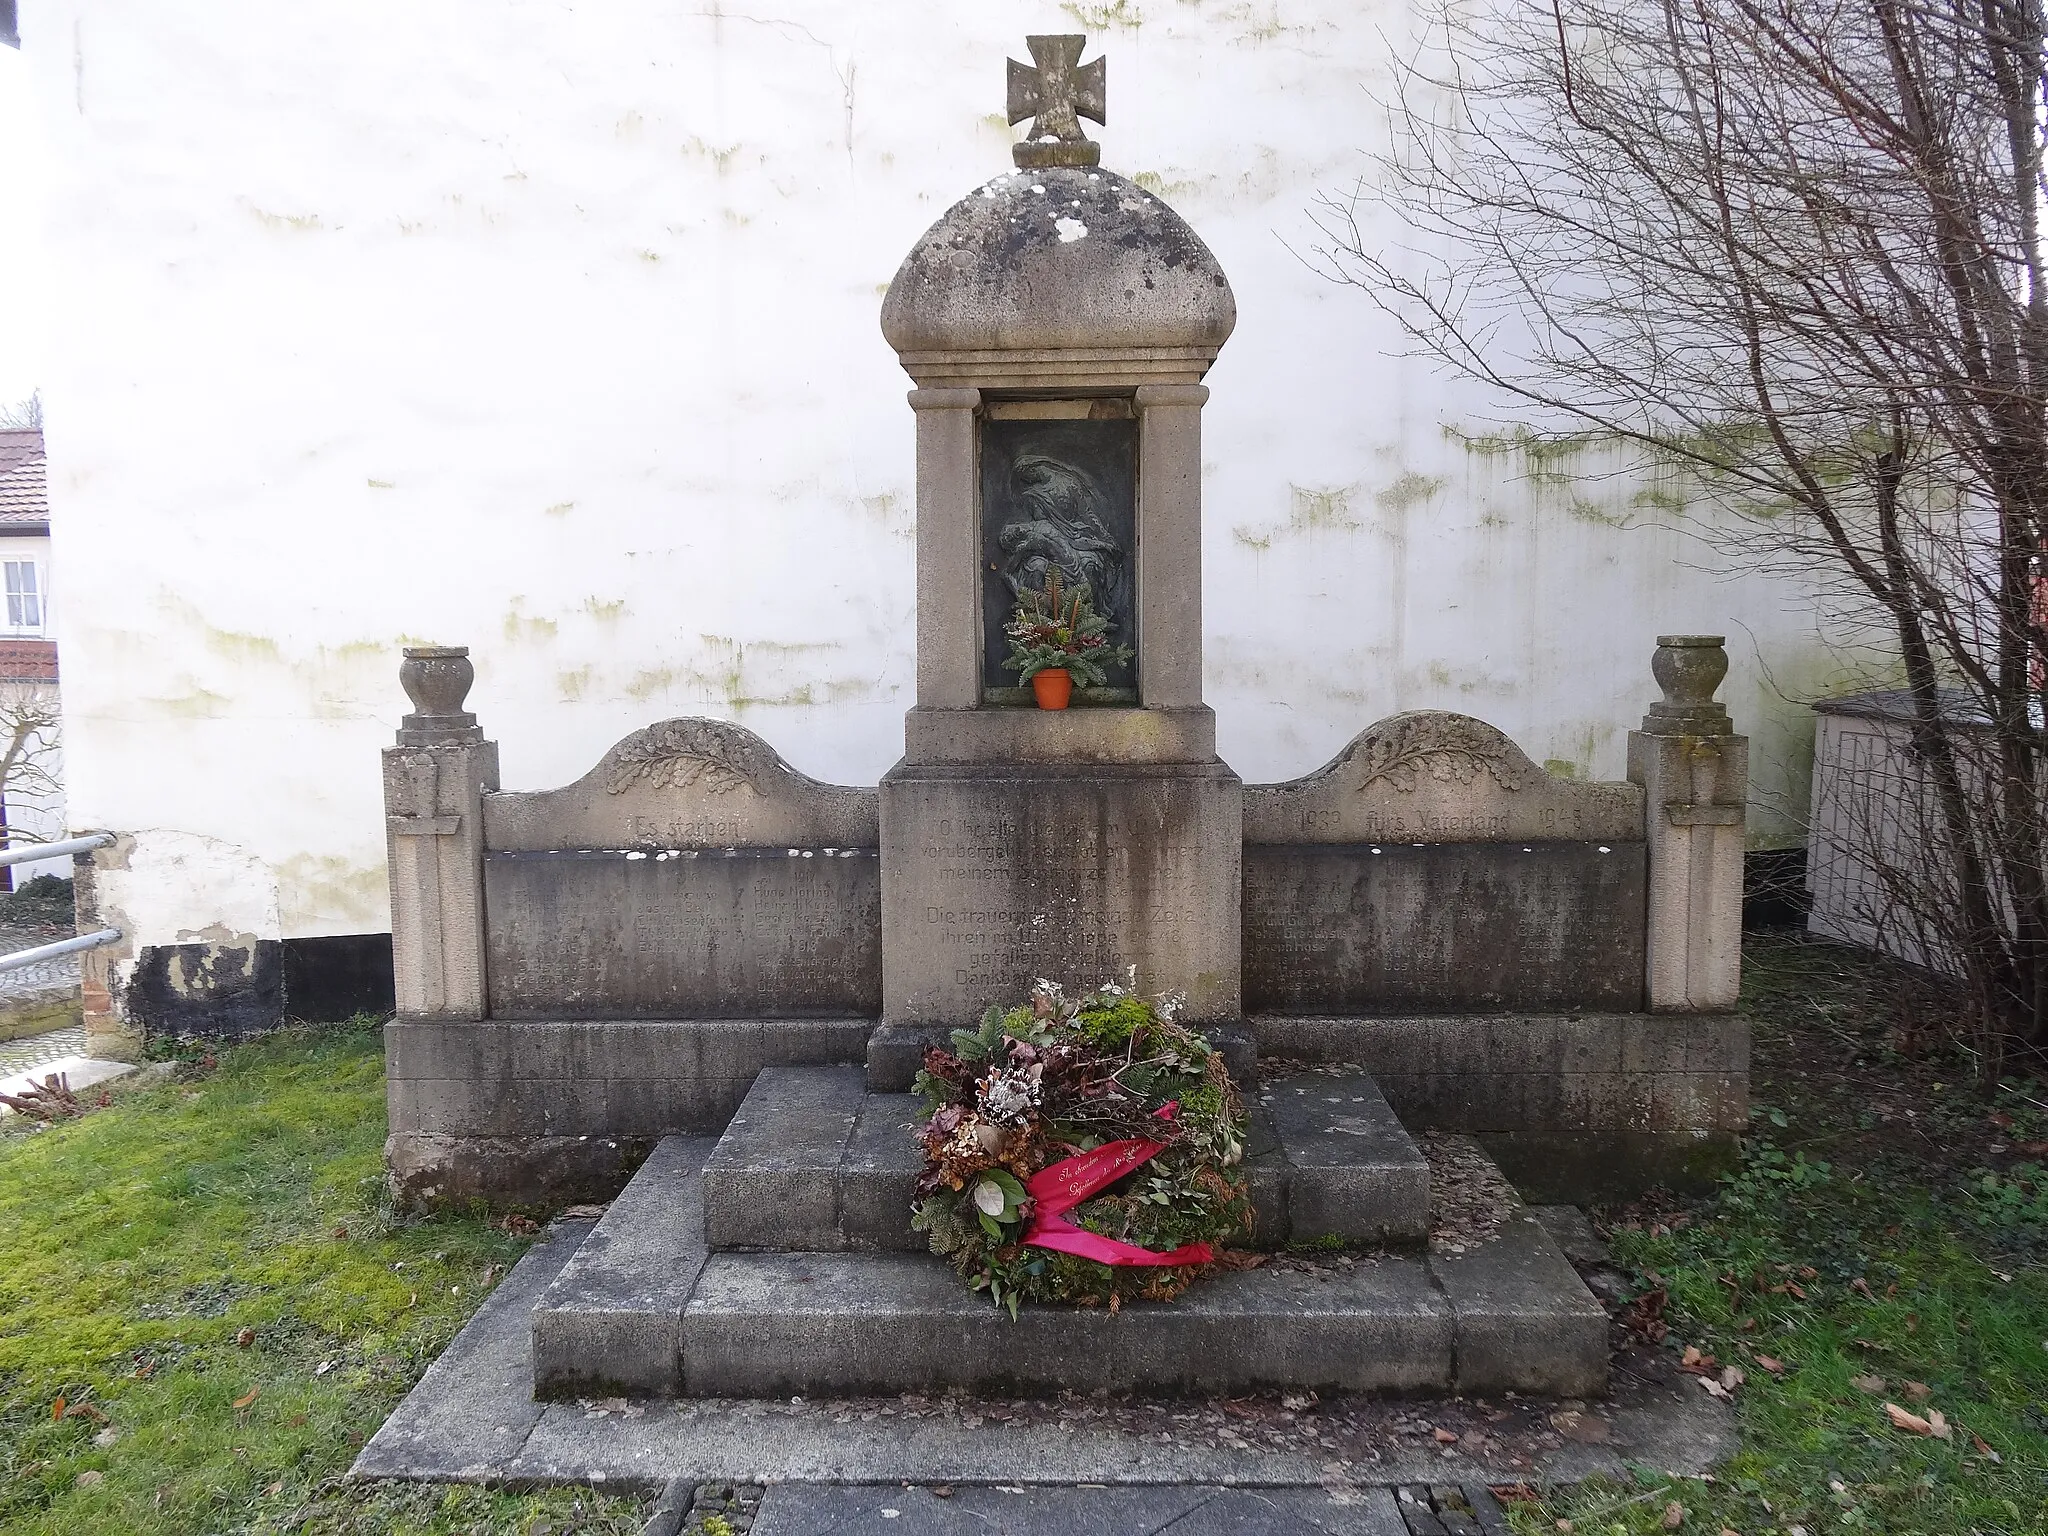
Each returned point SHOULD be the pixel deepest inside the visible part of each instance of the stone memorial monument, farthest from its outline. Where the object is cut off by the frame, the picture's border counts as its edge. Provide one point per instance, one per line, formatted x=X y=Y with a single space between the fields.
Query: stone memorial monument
x=700 y=964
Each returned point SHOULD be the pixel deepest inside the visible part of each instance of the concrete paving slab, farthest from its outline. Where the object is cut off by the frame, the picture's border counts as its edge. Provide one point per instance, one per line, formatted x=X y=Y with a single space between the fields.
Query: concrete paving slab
x=1016 y=1510
x=474 y=1408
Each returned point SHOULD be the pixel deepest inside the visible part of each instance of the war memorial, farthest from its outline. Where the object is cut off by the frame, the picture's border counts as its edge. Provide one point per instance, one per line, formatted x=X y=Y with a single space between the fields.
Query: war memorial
x=701 y=986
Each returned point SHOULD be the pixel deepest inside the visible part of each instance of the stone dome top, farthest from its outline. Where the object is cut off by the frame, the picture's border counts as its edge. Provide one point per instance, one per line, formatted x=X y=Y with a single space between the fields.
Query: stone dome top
x=1054 y=260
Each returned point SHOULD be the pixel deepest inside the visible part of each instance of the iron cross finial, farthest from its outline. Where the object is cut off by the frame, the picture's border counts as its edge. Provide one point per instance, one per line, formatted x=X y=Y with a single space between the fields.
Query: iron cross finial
x=1057 y=94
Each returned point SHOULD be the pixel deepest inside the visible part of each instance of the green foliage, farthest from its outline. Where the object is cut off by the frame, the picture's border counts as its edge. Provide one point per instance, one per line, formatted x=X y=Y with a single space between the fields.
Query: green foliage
x=1058 y=626
x=1857 y=1249
x=143 y=1238
x=1043 y=1082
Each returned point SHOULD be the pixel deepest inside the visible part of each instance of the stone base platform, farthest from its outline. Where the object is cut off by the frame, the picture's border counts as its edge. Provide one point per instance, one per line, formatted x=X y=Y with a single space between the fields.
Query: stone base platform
x=661 y=1301
x=813 y=1163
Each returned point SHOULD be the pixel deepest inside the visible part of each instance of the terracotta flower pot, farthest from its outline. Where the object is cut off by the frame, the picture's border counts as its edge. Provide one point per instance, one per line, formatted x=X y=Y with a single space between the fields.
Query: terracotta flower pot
x=1054 y=686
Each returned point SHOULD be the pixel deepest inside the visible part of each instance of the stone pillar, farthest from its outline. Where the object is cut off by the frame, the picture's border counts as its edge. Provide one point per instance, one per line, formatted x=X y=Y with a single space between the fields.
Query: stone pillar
x=1170 y=545
x=434 y=783
x=948 y=549
x=1694 y=771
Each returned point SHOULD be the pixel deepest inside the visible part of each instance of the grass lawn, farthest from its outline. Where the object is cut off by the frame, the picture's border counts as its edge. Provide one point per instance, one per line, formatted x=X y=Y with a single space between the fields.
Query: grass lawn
x=146 y=1242
x=205 y=1309
x=1883 y=1242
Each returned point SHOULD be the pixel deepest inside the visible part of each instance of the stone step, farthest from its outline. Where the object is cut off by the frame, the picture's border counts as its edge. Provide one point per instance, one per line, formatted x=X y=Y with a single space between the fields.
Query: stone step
x=814 y=1163
x=649 y=1310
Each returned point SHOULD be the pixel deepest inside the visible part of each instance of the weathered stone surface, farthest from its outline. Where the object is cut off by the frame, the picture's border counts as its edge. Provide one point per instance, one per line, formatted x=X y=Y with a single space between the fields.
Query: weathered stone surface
x=611 y=1322
x=774 y=1180
x=878 y=1175
x=777 y=1324
x=1352 y=1171
x=1550 y=1072
x=521 y=1111
x=1366 y=927
x=686 y=783
x=994 y=877
x=1611 y=1165
x=427 y=1171
x=732 y=932
x=1435 y=777
x=1004 y=271
x=433 y=845
x=1525 y=1322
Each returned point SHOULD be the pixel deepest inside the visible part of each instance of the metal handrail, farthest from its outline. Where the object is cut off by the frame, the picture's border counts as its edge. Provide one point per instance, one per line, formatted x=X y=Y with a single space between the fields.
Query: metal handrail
x=34 y=851
x=21 y=957
x=72 y=946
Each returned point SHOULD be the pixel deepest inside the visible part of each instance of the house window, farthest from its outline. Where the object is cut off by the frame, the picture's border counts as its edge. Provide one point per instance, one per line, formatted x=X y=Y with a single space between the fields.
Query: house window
x=24 y=602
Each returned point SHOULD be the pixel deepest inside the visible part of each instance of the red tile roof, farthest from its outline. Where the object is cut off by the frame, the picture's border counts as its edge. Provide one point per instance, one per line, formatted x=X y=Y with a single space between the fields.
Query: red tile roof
x=24 y=479
x=28 y=661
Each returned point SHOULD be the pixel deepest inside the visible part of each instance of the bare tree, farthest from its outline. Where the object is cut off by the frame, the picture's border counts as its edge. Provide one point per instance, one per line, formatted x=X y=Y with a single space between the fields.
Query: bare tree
x=30 y=719
x=1790 y=247
x=23 y=413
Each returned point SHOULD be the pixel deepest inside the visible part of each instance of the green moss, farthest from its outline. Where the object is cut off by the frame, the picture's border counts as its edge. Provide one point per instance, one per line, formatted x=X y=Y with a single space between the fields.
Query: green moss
x=143 y=1238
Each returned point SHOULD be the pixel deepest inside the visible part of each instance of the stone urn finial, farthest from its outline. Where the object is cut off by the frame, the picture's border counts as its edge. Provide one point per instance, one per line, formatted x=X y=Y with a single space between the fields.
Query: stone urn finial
x=1689 y=668
x=437 y=679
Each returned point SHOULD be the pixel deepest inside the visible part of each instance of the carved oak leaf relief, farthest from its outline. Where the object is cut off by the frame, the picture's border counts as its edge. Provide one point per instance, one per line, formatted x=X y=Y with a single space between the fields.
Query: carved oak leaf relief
x=1451 y=749
x=681 y=754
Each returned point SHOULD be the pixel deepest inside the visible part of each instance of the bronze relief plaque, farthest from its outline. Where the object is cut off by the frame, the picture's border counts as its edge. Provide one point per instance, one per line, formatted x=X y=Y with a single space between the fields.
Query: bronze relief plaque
x=1059 y=493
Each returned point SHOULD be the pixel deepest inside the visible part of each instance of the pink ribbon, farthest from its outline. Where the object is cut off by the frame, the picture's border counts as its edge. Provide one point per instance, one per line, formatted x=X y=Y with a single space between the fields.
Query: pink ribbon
x=1058 y=1189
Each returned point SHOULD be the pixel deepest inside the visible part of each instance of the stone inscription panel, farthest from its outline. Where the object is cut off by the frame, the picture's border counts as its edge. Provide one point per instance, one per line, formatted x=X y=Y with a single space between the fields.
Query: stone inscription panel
x=690 y=933
x=1058 y=494
x=1434 y=927
x=994 y=882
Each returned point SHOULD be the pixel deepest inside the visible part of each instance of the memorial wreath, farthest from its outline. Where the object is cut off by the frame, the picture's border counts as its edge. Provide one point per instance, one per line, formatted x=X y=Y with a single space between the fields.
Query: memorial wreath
x=1080 y=1151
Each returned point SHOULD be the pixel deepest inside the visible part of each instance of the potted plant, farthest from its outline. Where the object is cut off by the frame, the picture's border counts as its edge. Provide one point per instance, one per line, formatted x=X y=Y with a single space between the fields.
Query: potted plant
x=1058 y=639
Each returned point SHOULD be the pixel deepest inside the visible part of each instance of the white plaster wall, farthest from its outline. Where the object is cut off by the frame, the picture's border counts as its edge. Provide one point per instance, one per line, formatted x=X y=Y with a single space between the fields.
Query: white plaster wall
x=551 y=329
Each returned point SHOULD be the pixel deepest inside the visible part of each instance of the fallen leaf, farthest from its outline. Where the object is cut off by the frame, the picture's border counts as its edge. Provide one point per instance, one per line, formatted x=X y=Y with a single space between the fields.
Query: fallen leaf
x=274 y=1489
x=297 y=1421
x=57 y=1410
x=1867 y=1383
x=245 y=1338
x=1747 y=1325
x=2001 y=1119
x=1982 y=1449
x=89 y=1479
x=1906 y=1419
x=1861 y=1284
x=1808 y=1272
x=1674 y=1515
x=1732 y=1377
x=106 y=1438
x=85 y=1411
x=1712 y=1387
x=1937 y=1425
x=2031 y=1148
x=1912 y=1322
x=340 y=1233
x=1919 y=1391
x=1774 y=1366
x=1691 y=1355
x=1795 y=1290
x=248 y=1397
x=1444 y=1437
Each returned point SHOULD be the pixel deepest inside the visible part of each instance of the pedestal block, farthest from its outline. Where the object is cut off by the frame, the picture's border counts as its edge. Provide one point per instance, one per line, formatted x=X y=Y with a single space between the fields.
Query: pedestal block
x=997 y=874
